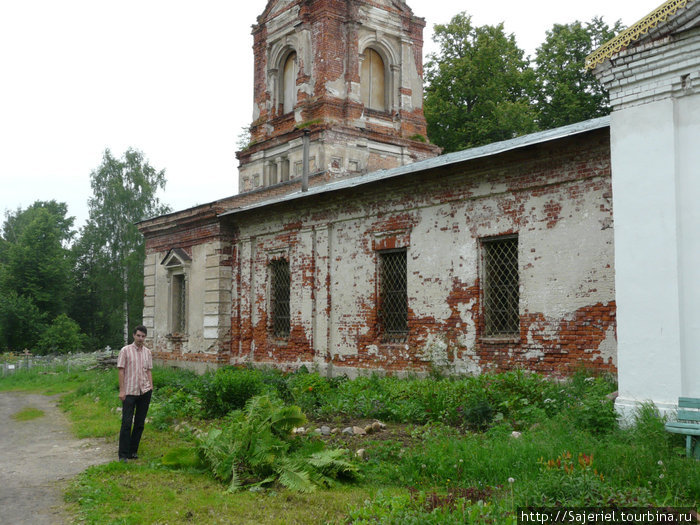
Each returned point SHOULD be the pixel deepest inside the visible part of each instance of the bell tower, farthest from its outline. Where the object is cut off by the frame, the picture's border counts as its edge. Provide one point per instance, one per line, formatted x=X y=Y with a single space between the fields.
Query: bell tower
x=348 y=71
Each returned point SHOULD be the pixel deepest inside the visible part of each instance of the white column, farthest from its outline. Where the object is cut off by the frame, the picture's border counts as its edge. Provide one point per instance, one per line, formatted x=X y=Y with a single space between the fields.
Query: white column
x=687 y=117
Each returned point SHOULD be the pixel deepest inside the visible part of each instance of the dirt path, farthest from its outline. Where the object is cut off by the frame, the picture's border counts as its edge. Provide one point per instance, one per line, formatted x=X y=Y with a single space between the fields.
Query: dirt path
x=36 y=459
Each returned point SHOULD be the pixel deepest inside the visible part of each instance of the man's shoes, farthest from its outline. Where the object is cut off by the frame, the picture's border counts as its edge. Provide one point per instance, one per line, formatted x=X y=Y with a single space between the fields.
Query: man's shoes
x=134 y=456
x=123 y=460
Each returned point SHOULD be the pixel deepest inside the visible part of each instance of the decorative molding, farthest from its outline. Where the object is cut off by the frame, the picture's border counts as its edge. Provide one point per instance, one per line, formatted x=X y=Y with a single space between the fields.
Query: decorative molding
x=635 y=32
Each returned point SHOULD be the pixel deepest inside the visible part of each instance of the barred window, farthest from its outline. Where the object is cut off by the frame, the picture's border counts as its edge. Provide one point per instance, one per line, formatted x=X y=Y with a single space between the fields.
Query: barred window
x=393 y=297
x=279 y=298
x=179 y=304
x=501 y=287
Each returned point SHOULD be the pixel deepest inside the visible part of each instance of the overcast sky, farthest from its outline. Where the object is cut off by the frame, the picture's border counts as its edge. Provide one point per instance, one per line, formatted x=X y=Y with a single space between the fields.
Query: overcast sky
x=172 y=78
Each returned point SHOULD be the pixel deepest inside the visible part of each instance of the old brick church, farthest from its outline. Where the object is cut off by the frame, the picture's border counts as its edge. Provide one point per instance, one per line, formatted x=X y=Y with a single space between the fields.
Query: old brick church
x=354 y=246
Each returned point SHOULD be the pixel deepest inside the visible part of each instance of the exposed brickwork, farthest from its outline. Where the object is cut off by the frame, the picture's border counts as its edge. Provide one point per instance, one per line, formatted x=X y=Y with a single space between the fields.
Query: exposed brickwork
x=526 y=193
x=325 y=36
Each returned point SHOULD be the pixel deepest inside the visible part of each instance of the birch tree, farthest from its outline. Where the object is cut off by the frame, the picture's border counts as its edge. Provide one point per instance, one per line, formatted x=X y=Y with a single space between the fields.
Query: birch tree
x=123 y=193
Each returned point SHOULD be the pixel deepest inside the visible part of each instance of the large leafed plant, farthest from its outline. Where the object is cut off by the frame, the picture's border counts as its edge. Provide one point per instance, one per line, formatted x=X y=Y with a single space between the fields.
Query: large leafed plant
x=257 y=447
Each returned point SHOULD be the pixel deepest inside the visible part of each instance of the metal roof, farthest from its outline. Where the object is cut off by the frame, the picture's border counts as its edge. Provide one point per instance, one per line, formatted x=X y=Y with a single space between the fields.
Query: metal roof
x=436 y=162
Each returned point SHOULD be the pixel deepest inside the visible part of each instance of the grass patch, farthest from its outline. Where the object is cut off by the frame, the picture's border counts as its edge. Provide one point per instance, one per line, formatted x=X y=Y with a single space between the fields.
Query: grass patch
x=44 y=380
x=107 y=494
x=27 y=414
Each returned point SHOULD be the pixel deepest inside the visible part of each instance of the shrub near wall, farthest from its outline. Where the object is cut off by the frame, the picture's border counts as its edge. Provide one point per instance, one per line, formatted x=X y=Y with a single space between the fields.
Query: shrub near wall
x=229 y=389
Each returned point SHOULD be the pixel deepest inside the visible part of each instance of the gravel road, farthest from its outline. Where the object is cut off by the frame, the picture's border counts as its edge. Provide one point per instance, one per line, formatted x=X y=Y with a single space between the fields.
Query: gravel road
x=37 y=457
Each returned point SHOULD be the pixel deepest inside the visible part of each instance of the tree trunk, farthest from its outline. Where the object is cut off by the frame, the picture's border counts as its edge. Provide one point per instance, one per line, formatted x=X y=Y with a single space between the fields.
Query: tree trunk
x=125 y=282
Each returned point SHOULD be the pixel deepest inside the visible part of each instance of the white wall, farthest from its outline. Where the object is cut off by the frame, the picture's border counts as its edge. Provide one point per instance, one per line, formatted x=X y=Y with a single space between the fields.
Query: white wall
x=655 y=153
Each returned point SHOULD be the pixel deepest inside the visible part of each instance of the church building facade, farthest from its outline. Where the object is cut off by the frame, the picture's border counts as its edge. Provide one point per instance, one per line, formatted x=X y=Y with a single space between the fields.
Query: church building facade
x=353 y=247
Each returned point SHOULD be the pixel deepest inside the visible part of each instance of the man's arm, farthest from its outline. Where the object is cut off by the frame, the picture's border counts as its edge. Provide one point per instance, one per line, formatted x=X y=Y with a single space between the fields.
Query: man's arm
x=122 y=395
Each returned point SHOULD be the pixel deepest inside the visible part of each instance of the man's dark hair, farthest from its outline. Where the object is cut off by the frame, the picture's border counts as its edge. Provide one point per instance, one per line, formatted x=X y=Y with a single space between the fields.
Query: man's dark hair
x=141 y=328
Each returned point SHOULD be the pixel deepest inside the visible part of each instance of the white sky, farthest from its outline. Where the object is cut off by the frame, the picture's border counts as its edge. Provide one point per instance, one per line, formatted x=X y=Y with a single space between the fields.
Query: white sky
x=172 y=78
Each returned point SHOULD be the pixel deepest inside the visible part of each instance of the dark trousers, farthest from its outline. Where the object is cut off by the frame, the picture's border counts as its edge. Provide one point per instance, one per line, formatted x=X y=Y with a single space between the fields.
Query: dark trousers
x=134 y=410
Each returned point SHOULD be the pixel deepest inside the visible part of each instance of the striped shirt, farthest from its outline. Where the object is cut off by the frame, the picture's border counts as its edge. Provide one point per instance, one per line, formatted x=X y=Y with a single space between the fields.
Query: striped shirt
x=136 y=364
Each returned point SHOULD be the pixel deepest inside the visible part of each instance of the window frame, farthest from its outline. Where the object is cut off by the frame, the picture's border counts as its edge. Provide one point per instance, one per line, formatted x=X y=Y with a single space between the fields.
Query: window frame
x=511 y=331
x=178 y=302
x=393 y=335
x=274 y=319
x=386 y=79
x=177 y=265
x=282 y=92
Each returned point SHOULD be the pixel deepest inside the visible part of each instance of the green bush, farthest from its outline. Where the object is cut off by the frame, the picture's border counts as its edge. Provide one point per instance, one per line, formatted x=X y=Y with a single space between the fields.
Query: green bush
x=594 y=415
x=478 y=415
x=229 y=389
x=176 y=379
x=170 y=405
x=21 y=322
x=61 y=337
x=309 y=390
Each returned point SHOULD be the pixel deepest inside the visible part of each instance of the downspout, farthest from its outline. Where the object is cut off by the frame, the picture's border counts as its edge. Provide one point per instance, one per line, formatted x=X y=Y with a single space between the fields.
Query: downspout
x=305 y=163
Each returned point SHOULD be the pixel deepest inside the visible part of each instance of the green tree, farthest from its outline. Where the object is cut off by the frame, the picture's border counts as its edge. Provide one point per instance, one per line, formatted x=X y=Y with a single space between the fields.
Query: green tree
x=36 y=265
x=479 y=86
x=21 y=322
x=16 y=222
x=94 y=297
x=61 y=337
x=123 y=193
x=567 y=91
x=36 y=281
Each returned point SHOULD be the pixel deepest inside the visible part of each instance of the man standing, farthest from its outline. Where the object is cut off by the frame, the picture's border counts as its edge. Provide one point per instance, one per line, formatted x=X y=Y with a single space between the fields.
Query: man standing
x=135 y=389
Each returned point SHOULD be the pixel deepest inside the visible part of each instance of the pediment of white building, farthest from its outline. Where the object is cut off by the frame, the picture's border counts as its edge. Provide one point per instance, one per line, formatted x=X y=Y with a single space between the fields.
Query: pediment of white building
x=175 y=258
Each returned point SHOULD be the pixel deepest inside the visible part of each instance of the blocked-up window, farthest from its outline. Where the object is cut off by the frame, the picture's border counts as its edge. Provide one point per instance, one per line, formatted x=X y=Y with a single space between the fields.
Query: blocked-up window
x=289 y=83
x=179 y=304
x=501 y=287
x=176 y=263
x=372 y=81
x=393 y=296
x=279 y=298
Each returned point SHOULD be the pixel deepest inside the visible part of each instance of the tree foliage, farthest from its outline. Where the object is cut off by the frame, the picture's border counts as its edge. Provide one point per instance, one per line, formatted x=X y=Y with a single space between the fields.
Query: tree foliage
x=123 y=193
x=567 y=91
x=37 y=266
x=61 y=337
x=35 y=272
x=16 y=222
x=21 y=322
x=479 y=86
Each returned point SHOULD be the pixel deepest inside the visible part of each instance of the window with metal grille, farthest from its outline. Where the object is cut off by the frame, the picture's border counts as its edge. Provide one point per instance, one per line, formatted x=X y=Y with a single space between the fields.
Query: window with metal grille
x=179 y=291
x=393 y=297
x=501 y=287
x=279 y=298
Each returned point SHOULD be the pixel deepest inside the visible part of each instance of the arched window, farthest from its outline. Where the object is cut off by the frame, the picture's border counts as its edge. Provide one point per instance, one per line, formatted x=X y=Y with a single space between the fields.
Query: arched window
x=289 y=83
x=372 y=81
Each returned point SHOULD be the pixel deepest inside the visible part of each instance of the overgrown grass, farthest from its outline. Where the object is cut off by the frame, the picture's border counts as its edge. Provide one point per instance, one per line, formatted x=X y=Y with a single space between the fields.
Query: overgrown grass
x=455 y=459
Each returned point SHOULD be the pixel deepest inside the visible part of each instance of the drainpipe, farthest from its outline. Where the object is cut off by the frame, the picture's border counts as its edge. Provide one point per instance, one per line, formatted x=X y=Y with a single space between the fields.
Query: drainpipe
x=305 y=163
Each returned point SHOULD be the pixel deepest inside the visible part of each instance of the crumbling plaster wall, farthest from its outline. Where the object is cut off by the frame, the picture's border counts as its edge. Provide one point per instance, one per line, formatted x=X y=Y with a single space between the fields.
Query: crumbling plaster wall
x=558 y=201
